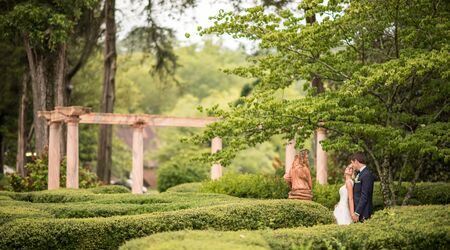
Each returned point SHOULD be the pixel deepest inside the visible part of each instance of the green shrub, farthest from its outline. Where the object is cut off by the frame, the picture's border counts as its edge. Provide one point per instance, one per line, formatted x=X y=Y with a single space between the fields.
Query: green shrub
x=4 y=182
x=67 y=195
x=175 y=173
x=248 y=186
x=186 y=187
x=110 y=189
x=268 y=187
x=422 y=227
x=432 y=193
x=37 y=177
x=103 y=205
x=424 y=193
x=54 y=196
x=13 y=212
x=200 y=240
x=122 y=205
x=109 y=233
x=327 y=195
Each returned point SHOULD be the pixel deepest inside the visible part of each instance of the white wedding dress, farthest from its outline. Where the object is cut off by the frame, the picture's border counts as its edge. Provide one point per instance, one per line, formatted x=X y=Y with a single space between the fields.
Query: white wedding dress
x=342 y=211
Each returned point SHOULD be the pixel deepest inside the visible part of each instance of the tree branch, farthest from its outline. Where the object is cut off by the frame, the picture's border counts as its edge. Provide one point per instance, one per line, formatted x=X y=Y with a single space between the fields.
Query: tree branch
x=92 y=36
x=413 y=184
x=321 y=62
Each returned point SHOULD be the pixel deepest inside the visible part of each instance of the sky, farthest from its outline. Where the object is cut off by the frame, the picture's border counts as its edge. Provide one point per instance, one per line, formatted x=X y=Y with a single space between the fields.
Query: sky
x=130 y=15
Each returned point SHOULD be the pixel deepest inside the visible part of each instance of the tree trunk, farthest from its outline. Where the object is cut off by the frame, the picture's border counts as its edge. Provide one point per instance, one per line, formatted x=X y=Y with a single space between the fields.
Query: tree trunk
x=385 y=185
x=392 y=186
x=47 y=71
x=104 y=159
x=22 y=134
x=39 y=82
x=60 y=74
x=60 y=94
x=384 y=181
x=412 y=187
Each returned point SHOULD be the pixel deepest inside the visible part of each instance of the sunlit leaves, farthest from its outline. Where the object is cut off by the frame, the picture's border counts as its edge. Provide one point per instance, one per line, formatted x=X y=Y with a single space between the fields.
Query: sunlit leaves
x=385 y=65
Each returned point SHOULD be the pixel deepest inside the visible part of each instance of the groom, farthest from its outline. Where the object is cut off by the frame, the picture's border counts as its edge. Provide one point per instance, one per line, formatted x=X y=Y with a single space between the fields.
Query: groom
x=362 y=189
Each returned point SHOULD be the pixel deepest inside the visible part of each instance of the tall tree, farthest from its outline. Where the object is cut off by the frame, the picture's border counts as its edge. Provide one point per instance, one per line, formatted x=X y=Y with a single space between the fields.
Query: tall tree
x=11 y=71
x=104 y=158
x=153 y=39
x=21 y=130
x=44 y=27
x=386 y=65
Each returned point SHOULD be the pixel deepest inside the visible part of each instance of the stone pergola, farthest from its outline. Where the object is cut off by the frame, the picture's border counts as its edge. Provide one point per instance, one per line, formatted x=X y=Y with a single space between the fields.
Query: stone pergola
x=75 y=115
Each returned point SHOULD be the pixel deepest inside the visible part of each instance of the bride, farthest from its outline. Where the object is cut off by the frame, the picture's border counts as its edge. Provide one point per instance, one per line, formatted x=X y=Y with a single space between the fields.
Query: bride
x=345 y=207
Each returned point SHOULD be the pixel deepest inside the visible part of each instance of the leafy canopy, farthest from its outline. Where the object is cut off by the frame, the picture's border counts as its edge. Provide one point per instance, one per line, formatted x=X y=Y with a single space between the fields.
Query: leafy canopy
x=385 y=66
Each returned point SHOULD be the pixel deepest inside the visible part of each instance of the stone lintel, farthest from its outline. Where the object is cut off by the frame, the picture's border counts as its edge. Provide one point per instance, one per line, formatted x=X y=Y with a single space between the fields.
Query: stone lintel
x=145 y=119
x=72 y=110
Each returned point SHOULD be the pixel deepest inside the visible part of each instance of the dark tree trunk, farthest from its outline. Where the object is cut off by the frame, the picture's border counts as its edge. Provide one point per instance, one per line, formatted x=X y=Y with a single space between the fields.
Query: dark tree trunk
x=412 y=187
x=60 y=94
x=317 y=84
x=104 y=159
x=60 y=75
x=39 y=82
x=47 y=71
x=385 y=185
x=22 y=133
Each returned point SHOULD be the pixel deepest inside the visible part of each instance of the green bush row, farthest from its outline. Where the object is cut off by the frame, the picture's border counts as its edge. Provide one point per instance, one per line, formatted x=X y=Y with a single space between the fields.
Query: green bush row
x=186 y=187
x=421 y=227
x=13 y=212
x=103 y=205
x=110 y=233
x=65 y=195
x=269 y=187
x=110 y=189
x=248 y=186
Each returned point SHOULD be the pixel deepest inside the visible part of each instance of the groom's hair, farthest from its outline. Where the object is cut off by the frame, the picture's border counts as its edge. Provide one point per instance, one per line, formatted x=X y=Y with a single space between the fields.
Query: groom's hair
x=358 y=156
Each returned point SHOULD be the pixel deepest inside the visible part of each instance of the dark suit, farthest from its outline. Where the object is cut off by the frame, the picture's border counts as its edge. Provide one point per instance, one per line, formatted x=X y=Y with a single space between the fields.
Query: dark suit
x=362 y=194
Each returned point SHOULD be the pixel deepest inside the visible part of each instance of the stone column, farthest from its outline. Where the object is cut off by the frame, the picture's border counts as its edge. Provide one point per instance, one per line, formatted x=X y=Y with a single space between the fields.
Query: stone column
x=72 y=152
x=54 y=156
x=290 y=154
x=216 y=169
x=138 y=159
x=321 y=157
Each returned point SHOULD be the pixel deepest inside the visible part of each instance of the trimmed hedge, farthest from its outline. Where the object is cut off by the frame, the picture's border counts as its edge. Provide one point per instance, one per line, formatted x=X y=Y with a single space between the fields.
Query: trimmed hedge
x=110 y=189
x=132 y=205
x=10 y=213
x=66 y=195
x=248 y=186
x=421 y=227
x=269 y=187
x=54 y=196
x=109 y=233
x=200 y=240
x=186 y=187
x=107 y=205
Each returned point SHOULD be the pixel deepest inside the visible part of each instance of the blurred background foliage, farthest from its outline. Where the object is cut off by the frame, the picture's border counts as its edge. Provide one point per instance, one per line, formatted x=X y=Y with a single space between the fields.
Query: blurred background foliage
x=200 y=80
